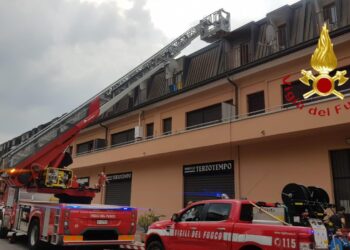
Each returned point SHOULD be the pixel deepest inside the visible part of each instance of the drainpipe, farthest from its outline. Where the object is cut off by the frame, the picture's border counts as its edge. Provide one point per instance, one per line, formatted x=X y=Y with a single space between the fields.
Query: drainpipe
x=236 y=95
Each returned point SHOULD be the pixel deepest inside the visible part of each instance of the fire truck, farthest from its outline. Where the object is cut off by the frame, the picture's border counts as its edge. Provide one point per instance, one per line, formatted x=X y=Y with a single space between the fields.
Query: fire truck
x=40 y=195
x=248 y=225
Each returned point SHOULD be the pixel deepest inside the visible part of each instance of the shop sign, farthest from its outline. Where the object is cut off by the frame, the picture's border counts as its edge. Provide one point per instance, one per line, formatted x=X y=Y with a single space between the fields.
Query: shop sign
x=209 y=168
x=119 y=176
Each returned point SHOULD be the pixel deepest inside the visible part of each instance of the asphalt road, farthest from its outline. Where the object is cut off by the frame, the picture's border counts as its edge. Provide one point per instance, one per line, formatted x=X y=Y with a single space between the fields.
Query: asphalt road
x=19 y=245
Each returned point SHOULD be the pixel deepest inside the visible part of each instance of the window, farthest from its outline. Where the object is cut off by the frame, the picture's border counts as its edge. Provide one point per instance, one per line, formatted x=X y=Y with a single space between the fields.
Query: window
x=282 y=36
x=85 y=147
x=204 y=116
x=244 y=53
x=83 y=181
x=125 y=137
x=218 y=212
x=149 y=130
x=256 y=103
x=246 y=212
x=167 y=126
x=296 y=90
x=330 y=14
x=193 y=214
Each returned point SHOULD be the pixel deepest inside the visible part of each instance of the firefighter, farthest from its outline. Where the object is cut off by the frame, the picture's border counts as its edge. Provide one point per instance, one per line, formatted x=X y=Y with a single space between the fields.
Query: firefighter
x=338 y=219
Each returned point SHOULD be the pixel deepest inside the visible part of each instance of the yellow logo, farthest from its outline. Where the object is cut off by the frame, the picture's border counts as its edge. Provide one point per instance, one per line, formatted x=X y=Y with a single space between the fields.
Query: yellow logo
x=323 y=61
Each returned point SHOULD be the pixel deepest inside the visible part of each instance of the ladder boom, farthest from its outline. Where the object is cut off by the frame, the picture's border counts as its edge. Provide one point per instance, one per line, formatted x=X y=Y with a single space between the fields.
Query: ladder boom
x=47 y=145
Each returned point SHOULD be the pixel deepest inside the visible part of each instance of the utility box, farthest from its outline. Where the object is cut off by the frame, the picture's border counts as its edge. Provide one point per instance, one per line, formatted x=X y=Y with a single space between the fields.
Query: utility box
x=138 y=132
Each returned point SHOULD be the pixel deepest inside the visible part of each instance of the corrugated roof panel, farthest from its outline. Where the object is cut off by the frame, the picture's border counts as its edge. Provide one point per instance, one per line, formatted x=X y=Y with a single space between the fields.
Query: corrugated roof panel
x=122 y=105
x=203 y=66
x=157 y=86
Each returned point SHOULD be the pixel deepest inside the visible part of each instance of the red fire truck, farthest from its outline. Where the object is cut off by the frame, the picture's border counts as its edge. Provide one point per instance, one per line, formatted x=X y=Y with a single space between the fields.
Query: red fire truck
x=233 y=224
x=38 y=165
x=44 y=219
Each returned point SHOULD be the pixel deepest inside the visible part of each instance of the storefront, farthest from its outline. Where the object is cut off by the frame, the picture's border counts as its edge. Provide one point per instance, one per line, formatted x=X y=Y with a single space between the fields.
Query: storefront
x=208 y=181
x=118 y=189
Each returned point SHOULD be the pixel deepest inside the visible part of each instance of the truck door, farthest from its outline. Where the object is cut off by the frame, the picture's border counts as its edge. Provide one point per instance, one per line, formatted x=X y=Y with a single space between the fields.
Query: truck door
x=185 y=235
x=215 y=228
x=203 y=227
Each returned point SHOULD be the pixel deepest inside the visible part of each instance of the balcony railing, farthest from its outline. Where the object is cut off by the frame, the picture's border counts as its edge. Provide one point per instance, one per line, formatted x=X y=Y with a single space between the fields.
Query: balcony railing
x=232 y=119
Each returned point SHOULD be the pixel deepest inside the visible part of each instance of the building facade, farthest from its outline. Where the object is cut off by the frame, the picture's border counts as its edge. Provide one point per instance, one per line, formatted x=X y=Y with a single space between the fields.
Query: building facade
x=224 y=122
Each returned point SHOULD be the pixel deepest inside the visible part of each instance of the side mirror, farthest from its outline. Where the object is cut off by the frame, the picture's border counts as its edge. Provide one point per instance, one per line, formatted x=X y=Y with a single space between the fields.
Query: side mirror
x=175 y=218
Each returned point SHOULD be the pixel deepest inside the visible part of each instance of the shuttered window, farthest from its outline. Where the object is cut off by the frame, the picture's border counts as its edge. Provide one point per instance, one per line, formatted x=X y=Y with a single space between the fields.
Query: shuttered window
x=125 y=137
x=282 y=36
x=244 y=53
x=85 y=147
x=167 y=126
x=330 y=14
x=149 y=130
x=204 y=116
x=118 y=189
x=256 y=103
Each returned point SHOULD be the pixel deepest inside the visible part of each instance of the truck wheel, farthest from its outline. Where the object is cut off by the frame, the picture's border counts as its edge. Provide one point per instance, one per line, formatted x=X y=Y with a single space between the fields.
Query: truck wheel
x=34 y=235
x=155 y=245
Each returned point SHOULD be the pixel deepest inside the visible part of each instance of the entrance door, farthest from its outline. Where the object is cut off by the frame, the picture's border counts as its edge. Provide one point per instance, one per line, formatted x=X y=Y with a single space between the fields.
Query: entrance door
x=340 y=160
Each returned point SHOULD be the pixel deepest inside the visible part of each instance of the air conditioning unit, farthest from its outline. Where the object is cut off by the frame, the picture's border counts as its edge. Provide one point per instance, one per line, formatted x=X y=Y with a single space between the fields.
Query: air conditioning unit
x=138 y=132
x=228 y=111
x=99 y=143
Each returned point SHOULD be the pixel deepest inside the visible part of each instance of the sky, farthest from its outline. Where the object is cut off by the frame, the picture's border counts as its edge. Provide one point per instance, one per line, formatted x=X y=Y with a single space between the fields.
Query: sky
x=54 y=55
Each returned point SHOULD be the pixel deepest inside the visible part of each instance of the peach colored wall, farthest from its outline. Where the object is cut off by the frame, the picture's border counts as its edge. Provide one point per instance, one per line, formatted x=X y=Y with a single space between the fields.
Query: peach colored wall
x=267 y=167
x=261 y=168
x=157 y=182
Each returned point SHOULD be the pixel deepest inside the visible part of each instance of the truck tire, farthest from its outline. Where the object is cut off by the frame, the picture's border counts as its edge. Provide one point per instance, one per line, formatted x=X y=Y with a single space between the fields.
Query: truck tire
x=34 y=235
x=3 y=230
x=155 y=245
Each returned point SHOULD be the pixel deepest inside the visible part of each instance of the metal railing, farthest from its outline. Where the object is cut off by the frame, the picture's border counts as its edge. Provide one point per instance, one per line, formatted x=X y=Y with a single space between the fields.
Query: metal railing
x=231 y=119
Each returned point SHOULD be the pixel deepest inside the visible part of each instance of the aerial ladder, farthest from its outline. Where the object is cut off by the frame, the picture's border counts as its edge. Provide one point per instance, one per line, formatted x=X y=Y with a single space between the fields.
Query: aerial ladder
x=40 y=162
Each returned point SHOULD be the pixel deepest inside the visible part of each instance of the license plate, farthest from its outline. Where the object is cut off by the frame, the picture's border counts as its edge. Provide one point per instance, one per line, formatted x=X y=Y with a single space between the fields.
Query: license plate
x=102 y=222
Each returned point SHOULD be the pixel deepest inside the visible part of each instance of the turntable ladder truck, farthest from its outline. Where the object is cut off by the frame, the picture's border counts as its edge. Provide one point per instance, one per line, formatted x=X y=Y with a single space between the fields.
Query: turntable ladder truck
x=38 y=167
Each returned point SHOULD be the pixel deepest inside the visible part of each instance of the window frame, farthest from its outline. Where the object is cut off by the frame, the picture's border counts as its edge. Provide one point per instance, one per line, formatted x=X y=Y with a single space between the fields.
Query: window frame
x=90 y=147
x=128 y=141
x=216 y=203
x=150 y=126
x=167 y=132
x=84 y=177
x=201 y=112
x=201 y=215
x=258 y=111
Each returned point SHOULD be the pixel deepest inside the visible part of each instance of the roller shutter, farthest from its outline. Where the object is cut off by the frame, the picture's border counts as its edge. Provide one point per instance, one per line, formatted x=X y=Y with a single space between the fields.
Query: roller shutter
x=208 y=181
x=118 y=189
x=340 y=160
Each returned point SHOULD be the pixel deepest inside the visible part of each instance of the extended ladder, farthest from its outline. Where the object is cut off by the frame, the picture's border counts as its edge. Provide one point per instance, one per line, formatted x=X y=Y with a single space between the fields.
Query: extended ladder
x=209 y=29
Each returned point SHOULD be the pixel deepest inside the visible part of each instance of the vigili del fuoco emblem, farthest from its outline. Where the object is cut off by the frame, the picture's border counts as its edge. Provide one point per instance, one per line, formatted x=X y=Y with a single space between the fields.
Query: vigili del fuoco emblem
x=323 y=61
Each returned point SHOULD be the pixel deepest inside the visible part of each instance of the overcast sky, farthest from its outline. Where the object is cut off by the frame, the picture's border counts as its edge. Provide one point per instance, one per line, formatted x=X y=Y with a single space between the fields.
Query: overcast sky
x=55 y=54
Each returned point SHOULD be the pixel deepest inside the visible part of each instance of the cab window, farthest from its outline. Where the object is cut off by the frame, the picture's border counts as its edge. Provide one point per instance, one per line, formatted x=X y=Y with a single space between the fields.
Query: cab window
x=218 y=212
x=192 y=214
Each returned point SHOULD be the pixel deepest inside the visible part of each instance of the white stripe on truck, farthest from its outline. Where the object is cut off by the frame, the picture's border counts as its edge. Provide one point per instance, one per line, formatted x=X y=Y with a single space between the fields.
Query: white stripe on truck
x=231 y=237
